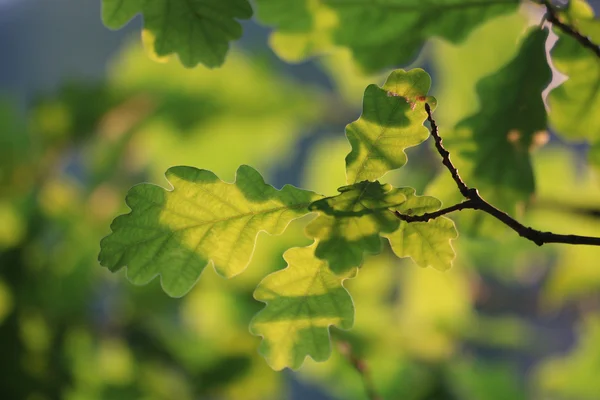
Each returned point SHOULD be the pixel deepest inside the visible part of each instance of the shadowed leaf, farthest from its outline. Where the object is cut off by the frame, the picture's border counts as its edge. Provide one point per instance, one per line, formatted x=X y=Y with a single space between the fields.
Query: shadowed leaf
x=392 y=120
x=496 y=142
x=350 y=223
x=387 y=33
x=198 y=31
x=427 y=243
x=303 y=300
x=176 y=233
x=573 y=103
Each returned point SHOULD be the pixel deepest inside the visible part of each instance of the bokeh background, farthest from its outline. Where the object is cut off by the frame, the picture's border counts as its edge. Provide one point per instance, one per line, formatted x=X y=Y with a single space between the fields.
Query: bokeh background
x=85 y=114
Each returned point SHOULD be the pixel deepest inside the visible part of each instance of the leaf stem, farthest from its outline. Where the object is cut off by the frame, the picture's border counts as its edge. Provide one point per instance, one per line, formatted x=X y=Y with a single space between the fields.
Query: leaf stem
x=552 y=17
x=476 y=202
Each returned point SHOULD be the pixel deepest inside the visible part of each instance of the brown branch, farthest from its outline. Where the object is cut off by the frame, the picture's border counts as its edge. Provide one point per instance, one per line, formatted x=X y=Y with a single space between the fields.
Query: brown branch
x=552 y=17
x=476 y=202
x=467 y=204
x=360 y=366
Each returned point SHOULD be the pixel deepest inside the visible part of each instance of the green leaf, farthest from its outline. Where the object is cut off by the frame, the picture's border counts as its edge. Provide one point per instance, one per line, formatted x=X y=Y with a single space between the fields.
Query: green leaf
x=303 y=300
x=392 y=120
x=286 y=15
x=199 y=31
x=176 y=233
x=573 y=103
x=427 y=243
x=350 y=223
x=387 y=33
x=496 y=142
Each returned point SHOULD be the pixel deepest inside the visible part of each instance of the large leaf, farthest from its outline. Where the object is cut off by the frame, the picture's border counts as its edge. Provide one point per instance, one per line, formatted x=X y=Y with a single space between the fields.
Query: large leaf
x=388 y=33
x=496 y=142
x=427 y=243
x=350 y=223
x=303 y=300
x=572 y=103
x=176 y=233
x=392 y=120
x=199 y=31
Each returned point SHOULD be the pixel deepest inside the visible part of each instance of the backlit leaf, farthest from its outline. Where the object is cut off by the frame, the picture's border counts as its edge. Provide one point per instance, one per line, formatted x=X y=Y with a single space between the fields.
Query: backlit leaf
x=198 y=31
x=392 y=120
x=496 y=142
x=303 y=300
x=176 y=233
x=427 y=243
x=350 y=223
x=572 y=103
x=388 y=33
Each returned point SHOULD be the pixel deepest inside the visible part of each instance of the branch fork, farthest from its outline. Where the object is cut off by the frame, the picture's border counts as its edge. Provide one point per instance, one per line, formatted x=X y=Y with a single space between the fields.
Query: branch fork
x=474 y=201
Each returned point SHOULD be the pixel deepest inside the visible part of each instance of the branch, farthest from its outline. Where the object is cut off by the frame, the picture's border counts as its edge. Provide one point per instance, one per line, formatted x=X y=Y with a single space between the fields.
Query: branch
x=552 y=17
x=476 y=202
x=359 y=365
x=467 y=204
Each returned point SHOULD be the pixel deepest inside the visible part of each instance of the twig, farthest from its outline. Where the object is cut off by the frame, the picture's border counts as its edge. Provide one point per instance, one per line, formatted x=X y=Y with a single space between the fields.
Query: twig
x=476 y=202
x=360 y=366
x=552 y=17
x=467 y=204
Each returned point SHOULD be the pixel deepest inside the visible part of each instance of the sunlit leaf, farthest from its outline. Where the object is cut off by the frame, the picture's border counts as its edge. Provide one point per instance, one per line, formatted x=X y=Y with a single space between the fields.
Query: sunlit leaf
x=388 y=33
x=198 y=31
x=572 y=103
x=496 y=142
x=176 y=233
x=302 y=300
x=427 y=243
x=350 y=223
x=392 y=120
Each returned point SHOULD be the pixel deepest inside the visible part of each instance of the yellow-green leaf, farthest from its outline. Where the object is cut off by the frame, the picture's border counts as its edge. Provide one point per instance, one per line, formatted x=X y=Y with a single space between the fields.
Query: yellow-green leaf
x=427 y=243
x=392 y=120
x=303 y=301
x=350 y=223
x=176 y=233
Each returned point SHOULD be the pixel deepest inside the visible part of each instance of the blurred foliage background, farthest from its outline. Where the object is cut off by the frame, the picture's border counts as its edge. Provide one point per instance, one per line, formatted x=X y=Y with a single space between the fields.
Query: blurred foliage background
x=509 y=321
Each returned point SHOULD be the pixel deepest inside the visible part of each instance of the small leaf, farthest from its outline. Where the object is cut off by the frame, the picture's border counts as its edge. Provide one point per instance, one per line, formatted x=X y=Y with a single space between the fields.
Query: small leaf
x=303 y=300
x=350 y=223
x=573 y=103
x=427 y=243
x=198 y=31
x=392 y=120
x=176 y=233
x=386 y=33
